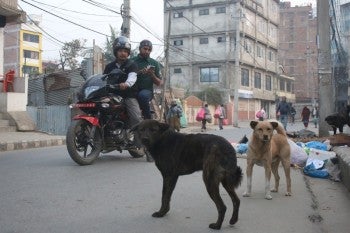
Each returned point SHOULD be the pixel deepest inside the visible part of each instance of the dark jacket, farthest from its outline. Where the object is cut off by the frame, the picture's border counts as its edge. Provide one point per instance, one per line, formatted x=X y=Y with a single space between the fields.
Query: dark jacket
x=127 y=67
x=283 y=108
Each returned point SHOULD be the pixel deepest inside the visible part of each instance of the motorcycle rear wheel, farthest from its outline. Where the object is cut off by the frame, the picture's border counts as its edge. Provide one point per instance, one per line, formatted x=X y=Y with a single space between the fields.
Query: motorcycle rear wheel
x=80 y=148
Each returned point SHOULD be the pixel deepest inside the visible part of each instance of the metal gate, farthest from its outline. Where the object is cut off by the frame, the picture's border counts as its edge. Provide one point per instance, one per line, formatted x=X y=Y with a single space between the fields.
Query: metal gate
x=53 y=119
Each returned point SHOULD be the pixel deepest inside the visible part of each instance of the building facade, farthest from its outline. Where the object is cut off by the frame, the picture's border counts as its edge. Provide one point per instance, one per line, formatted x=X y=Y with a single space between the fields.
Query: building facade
x=9 y=14
x=229 y=45
x=298 y=50
x=23 y=47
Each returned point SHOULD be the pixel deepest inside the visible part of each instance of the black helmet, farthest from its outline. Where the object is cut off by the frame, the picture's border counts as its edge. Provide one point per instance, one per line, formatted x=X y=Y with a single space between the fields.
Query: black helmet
x=121 y=42
x=145 y=43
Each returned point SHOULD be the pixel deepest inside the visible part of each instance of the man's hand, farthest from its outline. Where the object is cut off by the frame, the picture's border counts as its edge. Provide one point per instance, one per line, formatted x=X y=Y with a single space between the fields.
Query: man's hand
x=123 y=86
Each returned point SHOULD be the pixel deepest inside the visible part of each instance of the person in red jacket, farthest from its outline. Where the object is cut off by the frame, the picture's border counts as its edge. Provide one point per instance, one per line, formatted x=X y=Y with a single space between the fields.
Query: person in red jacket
x=305 y=116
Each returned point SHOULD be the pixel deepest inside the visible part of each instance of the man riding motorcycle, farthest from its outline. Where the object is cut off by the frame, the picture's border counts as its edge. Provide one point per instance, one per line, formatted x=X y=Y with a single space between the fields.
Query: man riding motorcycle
x=121 y=51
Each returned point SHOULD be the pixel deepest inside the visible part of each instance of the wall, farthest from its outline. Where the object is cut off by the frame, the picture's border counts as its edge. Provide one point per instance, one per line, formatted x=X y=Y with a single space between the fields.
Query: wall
x=17 y=100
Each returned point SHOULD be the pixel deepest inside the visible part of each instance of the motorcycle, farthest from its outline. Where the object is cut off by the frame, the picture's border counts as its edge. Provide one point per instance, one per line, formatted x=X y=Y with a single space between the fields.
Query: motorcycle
x=101 y=127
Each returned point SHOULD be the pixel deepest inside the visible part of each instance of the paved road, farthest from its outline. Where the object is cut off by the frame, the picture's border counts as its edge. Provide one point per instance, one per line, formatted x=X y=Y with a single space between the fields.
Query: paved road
x=43 y=190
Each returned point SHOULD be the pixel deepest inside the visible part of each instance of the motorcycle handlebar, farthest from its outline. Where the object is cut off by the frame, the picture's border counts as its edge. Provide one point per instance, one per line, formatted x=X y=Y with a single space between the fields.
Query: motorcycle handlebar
x=113 y=86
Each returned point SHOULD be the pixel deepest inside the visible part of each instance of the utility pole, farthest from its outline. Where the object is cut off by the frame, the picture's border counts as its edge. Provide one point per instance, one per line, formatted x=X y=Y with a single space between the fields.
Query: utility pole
x=326 y=85
x=166 y=65
x=237 y=58
x=125 y=12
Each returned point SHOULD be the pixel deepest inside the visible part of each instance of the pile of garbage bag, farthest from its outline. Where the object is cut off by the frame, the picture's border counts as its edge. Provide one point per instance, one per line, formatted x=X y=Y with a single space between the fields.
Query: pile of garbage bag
x=316 y=158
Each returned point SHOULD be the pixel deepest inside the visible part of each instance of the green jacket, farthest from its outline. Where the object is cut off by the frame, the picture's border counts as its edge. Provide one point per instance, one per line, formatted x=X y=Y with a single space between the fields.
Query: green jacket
x=143 y=80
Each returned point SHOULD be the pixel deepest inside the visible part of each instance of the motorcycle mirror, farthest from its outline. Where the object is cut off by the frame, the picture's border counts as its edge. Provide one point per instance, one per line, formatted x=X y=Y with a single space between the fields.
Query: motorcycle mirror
x=104 y=77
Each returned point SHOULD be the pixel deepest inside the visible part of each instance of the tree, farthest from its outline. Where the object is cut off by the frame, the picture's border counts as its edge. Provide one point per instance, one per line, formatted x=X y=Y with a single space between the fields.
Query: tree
x=211 y=95
x=69 y=53
x=109 y=56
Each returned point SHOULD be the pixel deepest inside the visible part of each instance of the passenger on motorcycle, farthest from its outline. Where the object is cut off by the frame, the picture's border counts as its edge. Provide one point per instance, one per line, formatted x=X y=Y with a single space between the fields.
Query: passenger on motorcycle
x=148 y=74
x=121 y=51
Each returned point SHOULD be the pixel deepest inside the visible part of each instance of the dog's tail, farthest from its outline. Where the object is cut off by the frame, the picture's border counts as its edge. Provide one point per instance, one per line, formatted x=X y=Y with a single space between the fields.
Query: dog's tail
x=279 y=127
x=228 y=162
x=237 y=176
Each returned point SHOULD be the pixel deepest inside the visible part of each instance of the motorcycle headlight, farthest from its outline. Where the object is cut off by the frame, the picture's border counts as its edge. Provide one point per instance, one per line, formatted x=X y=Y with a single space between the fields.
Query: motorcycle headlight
x=105 y=105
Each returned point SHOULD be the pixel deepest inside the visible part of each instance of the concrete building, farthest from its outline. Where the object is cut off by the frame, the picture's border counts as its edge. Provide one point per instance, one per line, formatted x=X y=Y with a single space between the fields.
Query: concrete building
x=9 y=14
x=23 y=47
x=229 y=45
x=298 y=50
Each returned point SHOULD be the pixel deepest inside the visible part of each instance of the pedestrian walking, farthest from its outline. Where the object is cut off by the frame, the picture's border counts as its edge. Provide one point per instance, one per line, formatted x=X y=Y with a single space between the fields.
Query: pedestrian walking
x=315 y=116
x=173 y=116
x=207 y=117
x=293 y=112
x=282 y=111
x=261 y=114
x=220 y=113
x=305 y=116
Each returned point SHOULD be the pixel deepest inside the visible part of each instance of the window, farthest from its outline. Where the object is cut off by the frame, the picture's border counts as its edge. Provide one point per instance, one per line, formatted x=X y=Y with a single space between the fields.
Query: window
x=291 y=70
x=204 y=40
x=247 y=46
x=220 y=10
x=271 y=56
x=30 y=70
x=221 y=39
x=289 y=86
x=258 y=51
x=209 y=74
x=30 y=37
x=30 y=54
x=204 y=12
x=282 y=85
x=268 y=84
x=178 y=14
x=177 y=71
x=257 y=80
x=245 y=77
x=178 y=42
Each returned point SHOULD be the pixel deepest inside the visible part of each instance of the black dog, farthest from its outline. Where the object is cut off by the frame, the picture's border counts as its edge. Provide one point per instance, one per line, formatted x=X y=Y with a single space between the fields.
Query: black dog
x=338 y=120
x=177 y=154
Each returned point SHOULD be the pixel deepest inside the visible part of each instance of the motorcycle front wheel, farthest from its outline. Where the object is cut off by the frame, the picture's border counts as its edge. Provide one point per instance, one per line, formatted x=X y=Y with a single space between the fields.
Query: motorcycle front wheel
x=81 y=147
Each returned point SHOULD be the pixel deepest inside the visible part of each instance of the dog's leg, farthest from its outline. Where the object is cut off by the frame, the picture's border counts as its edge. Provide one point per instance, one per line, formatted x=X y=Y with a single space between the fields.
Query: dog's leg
x=249 y=172
x=267 y=166
x=235 y=200
x=274 y=168
x=212 y=185
x=286 y=166
x=168 y=188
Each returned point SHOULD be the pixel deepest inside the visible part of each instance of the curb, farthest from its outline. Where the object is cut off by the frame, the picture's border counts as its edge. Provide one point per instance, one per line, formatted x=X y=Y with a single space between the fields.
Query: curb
x=28 y=144
x=343 y=153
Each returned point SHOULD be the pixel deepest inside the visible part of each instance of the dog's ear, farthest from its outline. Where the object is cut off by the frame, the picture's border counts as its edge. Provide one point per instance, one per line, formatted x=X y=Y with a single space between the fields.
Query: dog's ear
x=253 y=124
x=163 y=126
x=274 y=124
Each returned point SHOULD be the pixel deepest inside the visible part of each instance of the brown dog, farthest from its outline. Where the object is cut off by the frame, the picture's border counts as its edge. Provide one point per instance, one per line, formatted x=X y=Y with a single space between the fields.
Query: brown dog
x=177 y=154
x=268 y=149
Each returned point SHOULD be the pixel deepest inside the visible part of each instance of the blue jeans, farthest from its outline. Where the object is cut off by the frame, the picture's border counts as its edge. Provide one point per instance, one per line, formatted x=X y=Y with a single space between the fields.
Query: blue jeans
x=284 y=119
x=144 y=97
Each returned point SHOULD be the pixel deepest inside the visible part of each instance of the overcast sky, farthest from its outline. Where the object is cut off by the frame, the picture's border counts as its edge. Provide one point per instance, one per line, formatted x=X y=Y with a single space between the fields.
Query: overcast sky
x=95 y=21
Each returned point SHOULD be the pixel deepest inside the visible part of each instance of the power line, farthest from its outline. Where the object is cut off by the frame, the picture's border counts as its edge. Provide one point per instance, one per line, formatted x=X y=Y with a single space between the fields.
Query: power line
x=65 y=19
x=78 y=12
